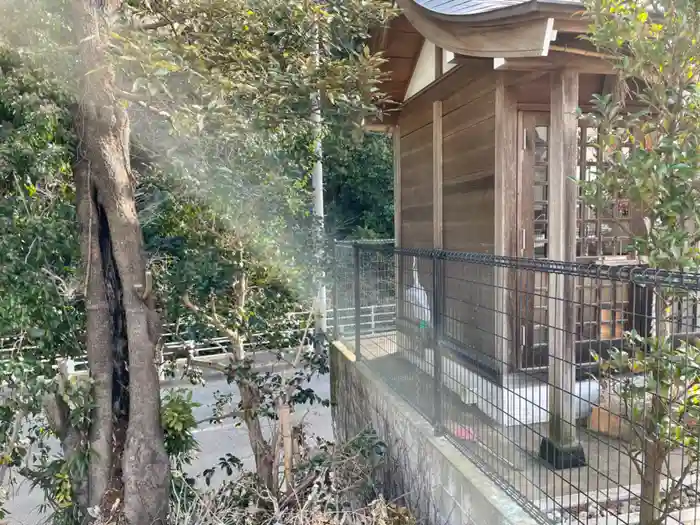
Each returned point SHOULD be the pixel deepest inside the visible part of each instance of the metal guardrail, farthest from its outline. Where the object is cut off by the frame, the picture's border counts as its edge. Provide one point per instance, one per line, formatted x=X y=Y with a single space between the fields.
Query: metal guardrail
x=373 y=319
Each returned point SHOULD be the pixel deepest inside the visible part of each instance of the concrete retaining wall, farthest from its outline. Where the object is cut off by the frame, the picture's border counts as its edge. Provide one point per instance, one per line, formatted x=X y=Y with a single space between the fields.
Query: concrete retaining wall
x=435 y=480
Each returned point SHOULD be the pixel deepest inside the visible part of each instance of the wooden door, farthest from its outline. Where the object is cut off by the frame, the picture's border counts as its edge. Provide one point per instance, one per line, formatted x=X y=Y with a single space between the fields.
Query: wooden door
x=602 y=307
x=533 y=217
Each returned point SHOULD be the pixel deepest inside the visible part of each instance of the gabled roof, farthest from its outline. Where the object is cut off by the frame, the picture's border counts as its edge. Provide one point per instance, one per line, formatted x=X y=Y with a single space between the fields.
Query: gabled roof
x=492 y=28
x=483 y=29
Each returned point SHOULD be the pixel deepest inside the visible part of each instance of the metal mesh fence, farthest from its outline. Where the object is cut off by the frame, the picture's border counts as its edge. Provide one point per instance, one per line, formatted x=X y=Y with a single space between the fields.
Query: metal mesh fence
x=574 y=386
x=364 y=291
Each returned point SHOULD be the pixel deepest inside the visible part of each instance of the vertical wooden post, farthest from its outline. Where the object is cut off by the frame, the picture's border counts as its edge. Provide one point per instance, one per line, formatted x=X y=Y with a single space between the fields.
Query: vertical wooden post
x=506 y=221
x=437 y=175
x=396 y=141
x=437 y=350
x=438 y=62
x=562 y=448
x=398 y=262
x=437 y=158
x=438 y=289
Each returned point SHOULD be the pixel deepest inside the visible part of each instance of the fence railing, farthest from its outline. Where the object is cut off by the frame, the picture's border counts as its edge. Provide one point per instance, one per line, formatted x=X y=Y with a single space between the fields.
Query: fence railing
x=373 y=319
x=572 y=385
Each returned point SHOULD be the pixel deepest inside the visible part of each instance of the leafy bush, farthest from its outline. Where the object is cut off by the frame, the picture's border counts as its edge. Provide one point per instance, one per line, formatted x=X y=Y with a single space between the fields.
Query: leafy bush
x=41 y=305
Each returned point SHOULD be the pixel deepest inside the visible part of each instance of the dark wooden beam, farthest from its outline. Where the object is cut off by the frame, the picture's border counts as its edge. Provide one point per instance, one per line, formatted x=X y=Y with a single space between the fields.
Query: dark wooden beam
x=438 y=62
x=575 y=24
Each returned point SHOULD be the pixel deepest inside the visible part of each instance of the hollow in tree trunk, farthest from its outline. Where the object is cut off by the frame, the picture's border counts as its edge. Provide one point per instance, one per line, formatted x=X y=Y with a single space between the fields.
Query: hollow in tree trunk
x=128 y=462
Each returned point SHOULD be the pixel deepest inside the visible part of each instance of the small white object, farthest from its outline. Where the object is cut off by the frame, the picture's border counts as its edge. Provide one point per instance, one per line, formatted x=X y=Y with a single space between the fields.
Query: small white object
x=66 y=366
x=416 y=299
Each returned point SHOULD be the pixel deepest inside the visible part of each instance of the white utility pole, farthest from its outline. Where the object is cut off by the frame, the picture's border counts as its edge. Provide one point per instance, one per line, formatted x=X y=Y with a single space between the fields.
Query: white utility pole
x=317 y=182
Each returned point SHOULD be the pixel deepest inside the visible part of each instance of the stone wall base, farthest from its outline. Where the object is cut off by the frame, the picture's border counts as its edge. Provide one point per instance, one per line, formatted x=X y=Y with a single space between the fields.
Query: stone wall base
x=429 y=474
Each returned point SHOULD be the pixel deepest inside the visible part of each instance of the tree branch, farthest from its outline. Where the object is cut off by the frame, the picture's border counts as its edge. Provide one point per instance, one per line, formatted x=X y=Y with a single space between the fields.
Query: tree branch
x=209 y=364
x=12 y=442
x=159 y=24
x=233 y=336
x=235 y=413
x=665 y=507
x=133 y=97
x=153 y=25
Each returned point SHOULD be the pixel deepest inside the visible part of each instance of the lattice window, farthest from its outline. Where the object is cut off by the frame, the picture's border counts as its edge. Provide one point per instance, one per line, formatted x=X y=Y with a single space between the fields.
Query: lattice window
x=600 y=232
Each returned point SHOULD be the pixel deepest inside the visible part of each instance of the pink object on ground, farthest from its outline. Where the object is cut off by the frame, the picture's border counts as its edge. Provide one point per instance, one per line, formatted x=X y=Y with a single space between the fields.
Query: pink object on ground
x=465 y=433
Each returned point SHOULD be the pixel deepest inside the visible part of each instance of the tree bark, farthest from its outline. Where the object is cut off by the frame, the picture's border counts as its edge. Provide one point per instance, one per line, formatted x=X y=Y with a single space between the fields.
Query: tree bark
x=99 y=338
x=263 y=453
x=654 y=451
x=650 y=494
x=129 y=463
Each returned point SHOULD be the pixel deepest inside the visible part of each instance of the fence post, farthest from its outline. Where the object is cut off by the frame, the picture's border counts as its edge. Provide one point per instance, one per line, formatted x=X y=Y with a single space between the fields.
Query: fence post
x=336 y=323
x=372 y=313
x=437 y=351
x=358 y=299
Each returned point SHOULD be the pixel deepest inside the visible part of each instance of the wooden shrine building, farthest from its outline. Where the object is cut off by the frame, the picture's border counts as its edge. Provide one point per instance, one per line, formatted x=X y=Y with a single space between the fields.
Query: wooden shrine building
x=487 y=144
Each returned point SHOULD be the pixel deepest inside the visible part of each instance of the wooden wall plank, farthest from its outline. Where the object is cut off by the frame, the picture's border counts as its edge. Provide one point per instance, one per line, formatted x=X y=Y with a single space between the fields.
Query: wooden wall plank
x=468 y=129
x=414 y=117
x=469 y=114
x=416 y=185
x=417 y=111
x=476 y=136
x=418 y=141
x=422 y=213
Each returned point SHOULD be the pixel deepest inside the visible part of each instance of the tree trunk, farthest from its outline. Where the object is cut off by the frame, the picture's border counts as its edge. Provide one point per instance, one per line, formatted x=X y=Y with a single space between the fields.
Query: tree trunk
x=99 y=338
x=263 y=452
x=129 y=463
x=654 y=455
x=654 y=451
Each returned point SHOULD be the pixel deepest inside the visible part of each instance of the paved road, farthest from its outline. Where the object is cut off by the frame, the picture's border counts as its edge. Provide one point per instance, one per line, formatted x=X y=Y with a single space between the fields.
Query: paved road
x=214 y=441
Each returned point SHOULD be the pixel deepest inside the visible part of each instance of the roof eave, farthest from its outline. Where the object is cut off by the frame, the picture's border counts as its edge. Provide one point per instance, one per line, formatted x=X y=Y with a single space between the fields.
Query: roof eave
x=525 y=10
x=523 y=30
